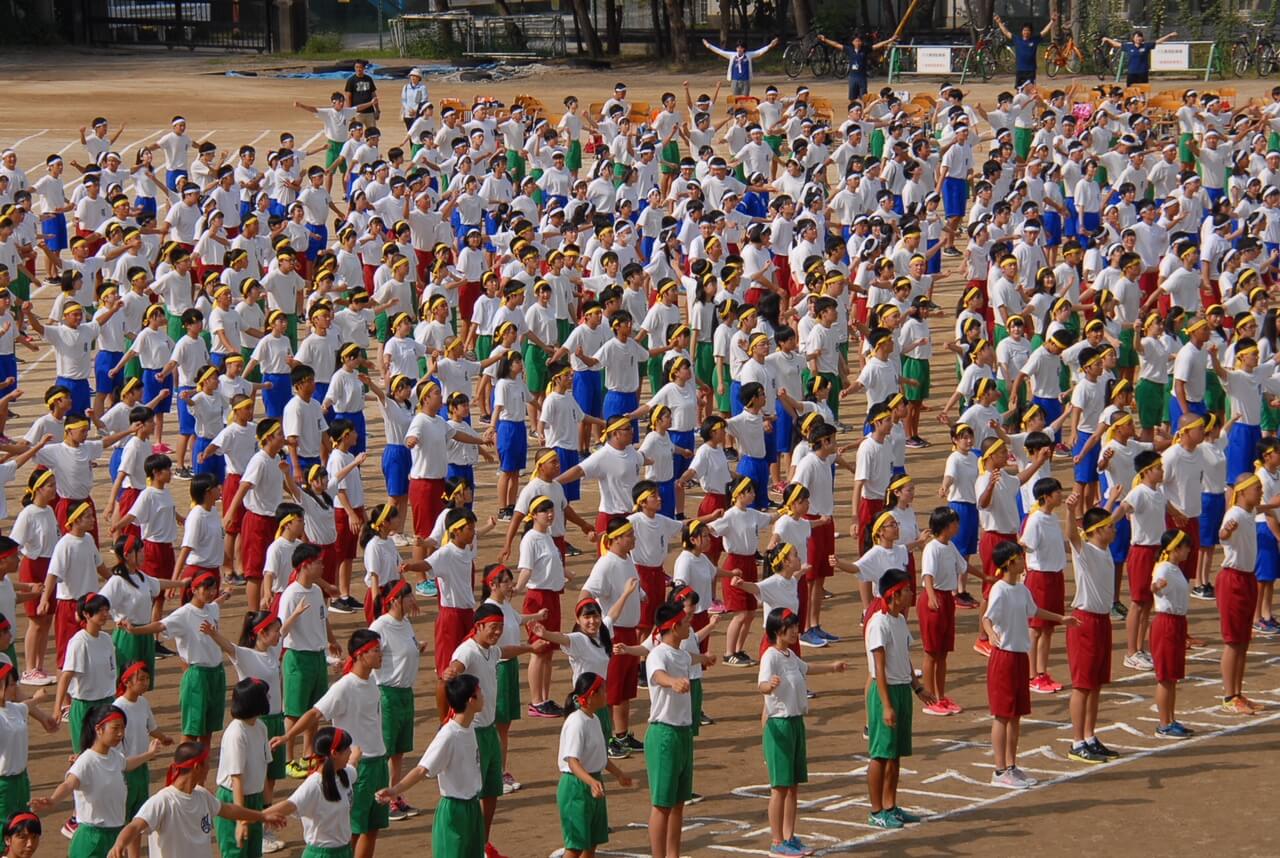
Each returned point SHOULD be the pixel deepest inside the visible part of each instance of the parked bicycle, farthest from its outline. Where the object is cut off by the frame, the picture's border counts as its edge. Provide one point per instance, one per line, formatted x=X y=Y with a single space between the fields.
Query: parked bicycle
x=989 y=53
x=1106 y=61
x=808 y=52
x=1256 y=50
x=1066 y=57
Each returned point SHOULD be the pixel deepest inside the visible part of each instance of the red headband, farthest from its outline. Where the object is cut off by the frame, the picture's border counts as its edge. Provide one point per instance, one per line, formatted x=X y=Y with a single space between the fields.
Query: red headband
x=682 y=594
x=199 y=580
x=351 y=659
x=131 y=543
x=582 y=603
x=128 y=672
x=113 y=715
x=894 y=590
x=22 y=817
x=5 y=624
x=673 y=622
x=494 y=573
x=12 y=551
x=592 y=689
x=5 y=669
x=265 y=624
x=337 y=740
x=394 y=593
x=787 y=614
x=176 y=769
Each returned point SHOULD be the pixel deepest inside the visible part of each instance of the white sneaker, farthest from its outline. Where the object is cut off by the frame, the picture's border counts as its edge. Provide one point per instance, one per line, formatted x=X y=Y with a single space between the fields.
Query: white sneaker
x=1138 y=661
x=1025 y=780
x=270 y=843
x=1006 y=779
x=401 y=540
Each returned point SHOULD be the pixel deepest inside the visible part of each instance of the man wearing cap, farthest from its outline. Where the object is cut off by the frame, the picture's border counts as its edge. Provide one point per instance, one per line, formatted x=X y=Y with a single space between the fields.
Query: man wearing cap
x=740 y=63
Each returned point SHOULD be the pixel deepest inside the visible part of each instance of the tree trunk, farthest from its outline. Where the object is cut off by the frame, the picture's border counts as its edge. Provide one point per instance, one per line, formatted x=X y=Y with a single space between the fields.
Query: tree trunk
x=980 y=12
x=583 y=17
x=659 y=32
x=679 y=33
x=802 y=14
x=725 y=13
x=613 y=25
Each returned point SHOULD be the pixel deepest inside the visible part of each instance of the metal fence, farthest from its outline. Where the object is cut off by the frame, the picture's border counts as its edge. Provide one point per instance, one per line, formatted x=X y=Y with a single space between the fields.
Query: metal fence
x=228 y=24
x=498 y=36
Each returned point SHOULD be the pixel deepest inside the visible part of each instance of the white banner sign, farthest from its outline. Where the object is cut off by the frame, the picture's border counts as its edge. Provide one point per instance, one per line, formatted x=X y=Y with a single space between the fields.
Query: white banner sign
x=933 y=60
x=1171 y=56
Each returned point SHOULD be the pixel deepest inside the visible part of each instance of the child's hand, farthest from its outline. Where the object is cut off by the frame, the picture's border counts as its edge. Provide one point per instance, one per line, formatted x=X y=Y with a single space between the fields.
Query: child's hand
x=631 y=586
x=774 y=682
x=839 y=667
x=890 y=718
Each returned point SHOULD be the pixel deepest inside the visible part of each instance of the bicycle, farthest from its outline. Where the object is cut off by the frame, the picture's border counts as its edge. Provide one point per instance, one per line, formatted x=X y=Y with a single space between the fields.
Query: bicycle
x=1258 y=51
x=808 y=51
x=984 y=59
x=1066 y=57
x=1106 y=60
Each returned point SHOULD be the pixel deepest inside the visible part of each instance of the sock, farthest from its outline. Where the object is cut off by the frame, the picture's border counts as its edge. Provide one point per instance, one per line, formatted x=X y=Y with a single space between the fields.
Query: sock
x=1000 y=771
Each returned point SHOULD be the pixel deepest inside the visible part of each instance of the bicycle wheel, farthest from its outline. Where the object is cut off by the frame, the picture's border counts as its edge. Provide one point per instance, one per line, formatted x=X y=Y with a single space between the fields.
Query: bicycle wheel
x=1075 y=63
x=1052 y=64
x=1268 y=61
x=1103 y=66
x=820 y=62
x=1240 y=60
x=840 y=65
x=793 y=60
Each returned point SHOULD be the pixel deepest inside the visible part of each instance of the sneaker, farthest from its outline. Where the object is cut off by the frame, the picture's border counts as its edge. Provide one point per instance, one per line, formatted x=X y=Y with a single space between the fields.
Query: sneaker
x=983 y=648
x=235 y=579
x=1265 y=627
x=161 y=448
x=491 y=851
x=642 y=681
x=1235 y=706
x=694 y=798
x=799 y=844
x=1041 y=684
x=739 y=660
x=1026 y=779
x=1173 y=730
x=509 y=783
x=964 y=600
x=39 y=677
x=1193 y=641
x=1203 y=593
x=705 y=720
x=183 y=473
x=1085 y=753
x=917 y=443
x=1119 y=611
x=812 y=638
x=616 y=750
x=938 y=708
x=395 y=813
x=631 y=743
x=826 y=635
x=401 y=540
x=271 y=843
x=343 y=605
x=827 y=594
x=1007 y=779
x=545 y=709
x=1054 y=685
x=572 y=550
x=69 y=827
x=784 y=848
x=1254 y=708
x=1100 y=748
x=297 y=769
x=955 y=707
x=904 y=816
x=884 y=819
x=1138 y=661
x=731 y=455
x=717 y=607
x=505 y=513
x=810 y=694
x=1061 y=451
x=951 y=251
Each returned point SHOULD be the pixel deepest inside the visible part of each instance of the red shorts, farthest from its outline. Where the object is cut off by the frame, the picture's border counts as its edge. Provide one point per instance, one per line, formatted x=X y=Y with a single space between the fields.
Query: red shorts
x=426 y=498
x=1237 y=595
x=1089 y=650
x=937 y=628
x=66 y=622
x=1142 y=565
x=452 y=627
x=653 y=583
x=330 y=561
x=158 y=560
x=868 y=509
x=822 y=544
x=624 y=670
x=1169 y=646
x=63 y=505
x=1048 y=591
x=425 y=259
x=368 y=271
x=860 y=308
x=1191 y=527
x=711 y=502
x=1008 y=691
x=745 y=566
x=229 y=488
x=32 y=570
x=468 y=293
x=602 y=527
x=1147 y=282
x=549 y=600
x=347 y=541
x=987 y=543
x=257 y=534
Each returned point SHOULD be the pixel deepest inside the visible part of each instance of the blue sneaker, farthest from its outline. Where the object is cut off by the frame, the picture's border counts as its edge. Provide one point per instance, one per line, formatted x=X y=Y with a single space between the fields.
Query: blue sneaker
x=797 y=843
x=785 y=848
x=427 y=588
x=903 y=816
x=1173 y=730
x=826 y=635
x=884 y=819
x=813 y=638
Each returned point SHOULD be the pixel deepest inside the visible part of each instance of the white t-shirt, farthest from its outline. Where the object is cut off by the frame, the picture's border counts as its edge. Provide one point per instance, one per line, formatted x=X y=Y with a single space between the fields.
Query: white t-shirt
x=308 y=633
x=1171 y=599
x=1009 y=607
x=607 y=581
x=400 y=654
x=617 y=471
x=1240 y=549
x=482 y=663
x=14 y=738
x=180 y=823
x=582 y=739
x=194 y=646
x=453 y=759
x=1042 y=537
x=244 y=751
x=942 y=562
x=789 y=699
x=890 y=633
x=1095 y=579
x=100 y=799
x=254 y=664
x=355 y=705
x=1148 y=515
x=92 y=661
x=539 y=554
x=665 y=705
x=325 y=823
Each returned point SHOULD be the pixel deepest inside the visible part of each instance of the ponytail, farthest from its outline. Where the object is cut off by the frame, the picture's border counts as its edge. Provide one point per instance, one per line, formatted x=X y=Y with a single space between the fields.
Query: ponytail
x=329 y=741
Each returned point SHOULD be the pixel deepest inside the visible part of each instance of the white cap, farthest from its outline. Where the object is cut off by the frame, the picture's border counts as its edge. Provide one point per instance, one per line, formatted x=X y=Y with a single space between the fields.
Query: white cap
x=415 y=72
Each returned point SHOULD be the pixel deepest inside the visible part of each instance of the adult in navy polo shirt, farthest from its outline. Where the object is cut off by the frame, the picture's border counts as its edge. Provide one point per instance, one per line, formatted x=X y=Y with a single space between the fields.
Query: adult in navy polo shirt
x=1137 y=54
x=1025 y=45
x=858 y=53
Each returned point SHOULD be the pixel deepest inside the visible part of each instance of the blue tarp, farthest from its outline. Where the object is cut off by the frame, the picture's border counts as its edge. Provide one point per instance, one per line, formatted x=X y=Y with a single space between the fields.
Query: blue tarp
x=375 y=71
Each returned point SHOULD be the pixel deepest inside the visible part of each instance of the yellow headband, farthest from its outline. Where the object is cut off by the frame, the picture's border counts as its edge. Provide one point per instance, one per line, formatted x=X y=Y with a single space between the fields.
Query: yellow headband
x=247 y=403
x=457 y=525
x=544 y=458
x=900 y=483
x=271 y=430
x=387 y=508
x=78 y=510
x=209 y=371
x=781 y=556
x=1097 y=526
x=742 y=485
x=621 y=530
x=1196 y=325
x=881 y=520
x=1199 y=421
x=620 y=423
x=1173 y=544
x=1117 y=423
x=644 y=496
x=539 y=502
x=1137 y=477
x=55 y=397
x=991 y=451
x=792 y=496
x=77 y=423
x=42 y=479
x=1245 y=482
x=293 y=516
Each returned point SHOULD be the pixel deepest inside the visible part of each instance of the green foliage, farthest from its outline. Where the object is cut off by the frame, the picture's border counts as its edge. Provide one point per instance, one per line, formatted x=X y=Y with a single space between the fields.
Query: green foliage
x=322 y=42
x=836 y=20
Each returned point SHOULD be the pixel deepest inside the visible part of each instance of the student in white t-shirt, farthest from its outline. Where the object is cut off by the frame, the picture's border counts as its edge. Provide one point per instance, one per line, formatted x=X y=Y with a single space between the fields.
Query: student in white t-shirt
x=243 y=757
x=323 y=801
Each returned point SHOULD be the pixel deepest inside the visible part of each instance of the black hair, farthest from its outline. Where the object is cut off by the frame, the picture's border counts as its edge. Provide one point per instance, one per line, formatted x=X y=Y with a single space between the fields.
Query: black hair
x=156 y=463
x=1095 y=516
x=90 y=604
x=201 y=485
x=1167 y=538
x=605 y=641
x=190 y=317
x=460 y=690
x=330 y=774
x=667 y=611
x=779 y=619
x=248 y=637
x=22 y=822
x=1046 y=486
x=299 y=374
x=360 y=638
x=304 y=553
x=709 y=425
x=95 y=716
x=339 y=427
x=485 y=589
x=120 y=547
x=941 y=518
x=892 y=578
x=1145 y=460
x=367 y=531
x=1004 y=552
x=585 y=680
x=249 y=699
x=141 y=414
x=768 y=558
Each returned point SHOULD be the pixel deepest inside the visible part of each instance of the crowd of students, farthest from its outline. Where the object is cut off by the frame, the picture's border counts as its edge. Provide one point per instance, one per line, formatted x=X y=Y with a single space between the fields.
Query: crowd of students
x=538 y=298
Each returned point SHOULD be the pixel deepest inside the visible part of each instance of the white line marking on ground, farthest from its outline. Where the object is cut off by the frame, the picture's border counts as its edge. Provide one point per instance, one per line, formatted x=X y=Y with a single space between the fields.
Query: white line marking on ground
x=259 y=137
x=15 y=144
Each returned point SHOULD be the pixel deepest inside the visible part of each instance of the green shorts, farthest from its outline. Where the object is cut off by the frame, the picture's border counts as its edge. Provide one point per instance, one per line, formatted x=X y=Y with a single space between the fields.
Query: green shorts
x=1215 y=398
x=668 y=758
x=226 y=828
x=704 y=363
x=15 y=794
x=722 y=399
x=889 y=743
x=367 y=813
x=535 y=369
x=1185 y=155
x=1150 y=398
x=1126 y=357
x=917 y=370
x=203 y=697
x=564 y=327
x=21 y=287
x=176 y=330
x=515 y=164
x=382 y=327
x=255 y=376
x=275 y=727
x=584 y=819
x=573 y=156
x=1270 y=416
x=490 y=761
x=695 y=701
x=90 y=841
x=484 y=346
x=774 y=142
x=397 y=719
x=137 y=784
x=134 y=648
x=458 y=827
x=80 y=709
x=310 y=851
x=508 y=702
x=785 y=753
x=1022 y=138
x=306 y=679
x=654 y=370
x=670 y=158
x=332 y=153
x=877 y=142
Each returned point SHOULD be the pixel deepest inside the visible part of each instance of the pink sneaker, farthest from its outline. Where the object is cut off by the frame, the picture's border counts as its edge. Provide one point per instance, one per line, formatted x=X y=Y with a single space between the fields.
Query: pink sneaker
x=955 y=707
x=1041 y=684
x=982 y=648
x=717 y=607
x=161 y=448
x=1053 y=684
x=940 y=708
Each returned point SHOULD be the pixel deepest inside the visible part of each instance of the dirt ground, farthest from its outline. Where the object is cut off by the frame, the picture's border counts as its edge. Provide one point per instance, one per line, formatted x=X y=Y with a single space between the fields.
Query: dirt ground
x=1173 y=795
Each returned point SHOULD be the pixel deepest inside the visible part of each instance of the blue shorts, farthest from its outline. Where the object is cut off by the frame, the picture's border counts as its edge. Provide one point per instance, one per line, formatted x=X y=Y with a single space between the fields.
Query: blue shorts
x=1175 y=414
x=1085 y=471
x=966 y=541
x=8 y=369
x=277 y=209
x=276 y=397
x=1052 y=222
x=1242 y=449
x=1089 y=223
x=461 y=472
x=317 y=240
x=1213 y=507
x=1214 y=194
x=955 y=196
x=357 y=422
x=667 y=493
x=187 y=420
x=680 y=464
x=1119 y=545
x=758 y=471
x=1071 y=226
x=396 y=462
x=172 y=177
x=933 y=264
x=113 y=464
x=1052 y=407
x=54 y=230
x=81 y=396
x=151 y=387
x=617 y=402
x=1268 y=554
x=246 y=209
x=147 y=207
x=735 y=403
x=646 y=244
x=321 y=391
x=513 y=446
x=568 y=459
x=216 y=465
x=588 y=392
